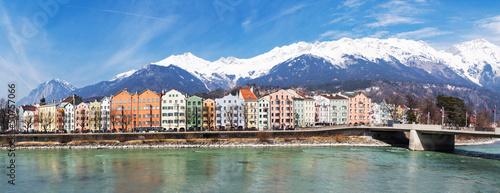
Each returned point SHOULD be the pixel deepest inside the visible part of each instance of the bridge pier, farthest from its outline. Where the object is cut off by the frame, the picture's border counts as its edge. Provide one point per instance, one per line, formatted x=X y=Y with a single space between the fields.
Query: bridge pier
x=431 y=142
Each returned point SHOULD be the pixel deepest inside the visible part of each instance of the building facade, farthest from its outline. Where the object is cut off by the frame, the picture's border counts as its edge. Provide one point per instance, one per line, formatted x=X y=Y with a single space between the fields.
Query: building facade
x=209 y=115
x=69 y=117
x=194 y=107
x=282 y=113
x=82 y=117
x=359 y=109
x=173 y=108
x=229 y=113
x=251 y=107
x=95 y=116
x=264 y=114
x=47 y=117
x=105 y=113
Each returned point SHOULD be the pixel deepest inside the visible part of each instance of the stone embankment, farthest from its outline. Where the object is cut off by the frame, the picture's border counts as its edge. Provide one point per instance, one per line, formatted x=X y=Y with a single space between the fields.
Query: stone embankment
x=205 y=143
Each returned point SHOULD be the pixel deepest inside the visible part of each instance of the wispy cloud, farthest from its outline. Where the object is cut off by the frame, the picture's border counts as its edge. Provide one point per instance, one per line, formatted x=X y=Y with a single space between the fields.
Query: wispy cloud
x=422 y=33
x=392 y=19
x=397 y=12
x=287 y=12
x=249 y=24
x=491 y=23
x=17 y=42
x=336 y=34
x=352 y=3
x=127 y=13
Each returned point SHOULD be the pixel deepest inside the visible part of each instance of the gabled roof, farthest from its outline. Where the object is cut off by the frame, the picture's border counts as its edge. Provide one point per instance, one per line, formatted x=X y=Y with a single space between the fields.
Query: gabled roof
x=334 y=97
x=247 y=94
x=148 y=90
x=28 y=108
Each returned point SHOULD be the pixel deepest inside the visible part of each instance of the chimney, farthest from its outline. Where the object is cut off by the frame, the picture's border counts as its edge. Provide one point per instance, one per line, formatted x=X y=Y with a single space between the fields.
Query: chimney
x=54 y=100
x=126 y=89
x=251 y=89
x=61 y=100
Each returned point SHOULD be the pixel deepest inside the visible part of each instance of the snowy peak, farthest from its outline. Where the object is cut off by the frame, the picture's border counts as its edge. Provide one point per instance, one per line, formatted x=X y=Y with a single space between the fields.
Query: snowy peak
x=477 y=60
x=52 y=89
x=58 y=82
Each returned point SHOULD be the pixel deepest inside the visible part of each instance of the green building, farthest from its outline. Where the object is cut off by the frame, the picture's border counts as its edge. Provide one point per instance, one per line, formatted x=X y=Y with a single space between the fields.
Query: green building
x=194 y=113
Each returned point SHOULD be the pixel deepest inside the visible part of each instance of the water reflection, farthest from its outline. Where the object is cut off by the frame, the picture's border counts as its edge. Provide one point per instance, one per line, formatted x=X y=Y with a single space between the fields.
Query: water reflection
x=337 y=169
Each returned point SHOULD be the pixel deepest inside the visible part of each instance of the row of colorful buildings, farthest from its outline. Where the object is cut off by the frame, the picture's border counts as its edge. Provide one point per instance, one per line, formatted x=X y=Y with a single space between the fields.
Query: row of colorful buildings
x=172 y=110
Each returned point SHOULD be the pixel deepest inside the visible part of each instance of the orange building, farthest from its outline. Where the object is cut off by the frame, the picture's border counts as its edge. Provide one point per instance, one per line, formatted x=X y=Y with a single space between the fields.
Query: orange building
x=139 y=111
x=359 y=109
x=209 y=114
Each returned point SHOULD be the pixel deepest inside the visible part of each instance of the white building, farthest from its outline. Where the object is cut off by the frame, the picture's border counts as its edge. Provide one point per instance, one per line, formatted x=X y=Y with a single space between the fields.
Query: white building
x=264 y=122
x=173 y=107
x=229 y=112
x=69 y=117
x=324 y=112
x=105 y=113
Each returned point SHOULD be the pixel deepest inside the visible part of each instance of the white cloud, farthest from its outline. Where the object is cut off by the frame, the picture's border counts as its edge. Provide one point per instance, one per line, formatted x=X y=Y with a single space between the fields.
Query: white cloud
x=422 y=33
x=335 y=34
x=352 y=3
x=397 y=12
x=392 y=19
x=492 y=24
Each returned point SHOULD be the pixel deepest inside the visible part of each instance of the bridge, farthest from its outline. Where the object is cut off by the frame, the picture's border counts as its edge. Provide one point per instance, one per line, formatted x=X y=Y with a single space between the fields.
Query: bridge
x=425 y=137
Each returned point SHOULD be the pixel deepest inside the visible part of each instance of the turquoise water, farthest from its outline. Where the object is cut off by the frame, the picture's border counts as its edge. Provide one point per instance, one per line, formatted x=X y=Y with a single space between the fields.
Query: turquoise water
x=329 y=169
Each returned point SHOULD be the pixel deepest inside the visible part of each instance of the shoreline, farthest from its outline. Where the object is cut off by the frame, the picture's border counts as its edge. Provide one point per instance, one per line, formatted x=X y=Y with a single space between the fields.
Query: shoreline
x=486 y=142
x=254 y=144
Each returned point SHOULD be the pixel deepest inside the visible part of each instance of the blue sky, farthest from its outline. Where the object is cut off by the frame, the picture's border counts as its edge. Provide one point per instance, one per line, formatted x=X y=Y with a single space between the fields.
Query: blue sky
x=85 y=42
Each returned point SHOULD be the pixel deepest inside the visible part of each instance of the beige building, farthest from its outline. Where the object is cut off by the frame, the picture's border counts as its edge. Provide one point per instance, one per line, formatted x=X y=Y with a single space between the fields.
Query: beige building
x=95 y=115
x=251 y=107
x=47 y=117
x=173 y=107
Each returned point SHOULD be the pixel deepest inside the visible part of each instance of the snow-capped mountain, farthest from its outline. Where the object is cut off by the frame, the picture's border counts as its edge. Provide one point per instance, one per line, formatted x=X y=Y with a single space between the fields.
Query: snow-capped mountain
x=477 y=60
x=53 y=89
x=473 y=63
x=230 y=71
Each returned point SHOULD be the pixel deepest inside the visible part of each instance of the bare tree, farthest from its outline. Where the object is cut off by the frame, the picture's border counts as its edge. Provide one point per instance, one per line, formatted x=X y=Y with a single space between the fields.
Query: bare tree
x=81 y=119
x=113 y=120
x=229 y=115
x=28 y=121
x=4 y=114
x=483 y=119
x=45 y=120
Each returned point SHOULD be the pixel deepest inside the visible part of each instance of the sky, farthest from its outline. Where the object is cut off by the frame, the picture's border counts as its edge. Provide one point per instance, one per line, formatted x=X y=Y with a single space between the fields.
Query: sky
x=85 y=42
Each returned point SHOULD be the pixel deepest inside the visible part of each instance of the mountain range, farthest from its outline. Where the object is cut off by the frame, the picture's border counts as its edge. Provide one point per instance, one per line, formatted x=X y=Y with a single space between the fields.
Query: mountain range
x=474 y=63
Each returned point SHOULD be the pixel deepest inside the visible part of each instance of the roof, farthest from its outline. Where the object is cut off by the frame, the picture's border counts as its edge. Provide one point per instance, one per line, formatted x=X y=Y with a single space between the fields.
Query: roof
x=247 y=94
x=333 y=97
x=28 y=108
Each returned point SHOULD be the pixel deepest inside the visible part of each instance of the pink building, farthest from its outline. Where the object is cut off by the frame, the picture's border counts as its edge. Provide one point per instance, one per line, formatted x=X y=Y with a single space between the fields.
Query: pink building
x=281 y=107
x=359 y=109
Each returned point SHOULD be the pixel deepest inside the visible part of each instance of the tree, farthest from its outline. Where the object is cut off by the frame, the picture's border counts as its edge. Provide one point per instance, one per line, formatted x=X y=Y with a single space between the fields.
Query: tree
x=81 y=119
x=428 y=107
x=412 y=103
x=28 y=121
x=483 y=119
x=45 y=120
x=113 y=119
x=229 y=116
x=4 y=114
x=454 y=109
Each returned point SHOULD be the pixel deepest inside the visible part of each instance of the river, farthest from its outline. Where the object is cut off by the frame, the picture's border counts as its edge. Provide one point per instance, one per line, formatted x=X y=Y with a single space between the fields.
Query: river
x=307 y=169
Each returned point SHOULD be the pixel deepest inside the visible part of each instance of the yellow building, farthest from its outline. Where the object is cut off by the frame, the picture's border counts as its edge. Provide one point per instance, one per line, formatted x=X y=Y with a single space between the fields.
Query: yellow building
x=209 y=114
x=95 y=115
x=47 y=117
x=251 y=107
